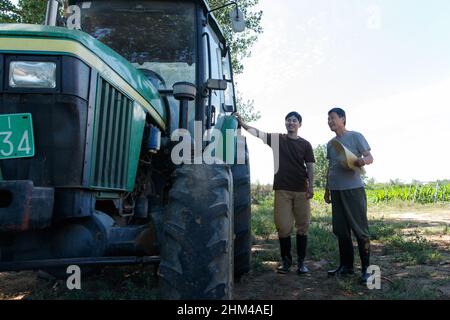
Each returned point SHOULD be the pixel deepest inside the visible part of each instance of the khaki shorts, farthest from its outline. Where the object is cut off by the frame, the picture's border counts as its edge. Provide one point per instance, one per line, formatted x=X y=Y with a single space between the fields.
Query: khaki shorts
x=290 y=206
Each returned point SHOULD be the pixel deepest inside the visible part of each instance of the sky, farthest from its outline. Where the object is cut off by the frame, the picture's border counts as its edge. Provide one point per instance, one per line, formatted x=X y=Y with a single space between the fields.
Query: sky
x=385 y=62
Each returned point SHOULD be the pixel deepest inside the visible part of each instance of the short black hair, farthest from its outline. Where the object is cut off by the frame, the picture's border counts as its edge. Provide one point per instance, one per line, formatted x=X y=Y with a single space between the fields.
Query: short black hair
x=340 y=112
x=295 y=114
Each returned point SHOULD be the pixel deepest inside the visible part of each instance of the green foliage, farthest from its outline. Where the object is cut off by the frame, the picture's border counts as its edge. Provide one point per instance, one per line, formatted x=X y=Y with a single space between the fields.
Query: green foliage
x=415 y=249
x=26 y=11
x=261 y=193
x=240 y=43
x=403 y=289
x=417 y=193
x=246 y=109
x=262 y=220
x=381 y=230
x=377 y=193
x=320 y=174
x=322 y=242
x=32 y=11
x=261 y=257
x=9 y=13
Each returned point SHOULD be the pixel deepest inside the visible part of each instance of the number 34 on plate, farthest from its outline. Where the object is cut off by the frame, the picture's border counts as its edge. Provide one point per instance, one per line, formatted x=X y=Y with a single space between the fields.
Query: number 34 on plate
x=16 y=136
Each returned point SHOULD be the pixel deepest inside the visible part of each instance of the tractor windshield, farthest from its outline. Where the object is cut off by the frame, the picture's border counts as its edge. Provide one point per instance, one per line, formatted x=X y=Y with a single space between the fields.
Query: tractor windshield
x=157 y=36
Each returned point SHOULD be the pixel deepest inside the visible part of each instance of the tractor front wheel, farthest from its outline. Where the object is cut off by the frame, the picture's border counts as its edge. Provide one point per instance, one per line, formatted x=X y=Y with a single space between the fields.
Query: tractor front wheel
x=242 y=217
x=197 y=247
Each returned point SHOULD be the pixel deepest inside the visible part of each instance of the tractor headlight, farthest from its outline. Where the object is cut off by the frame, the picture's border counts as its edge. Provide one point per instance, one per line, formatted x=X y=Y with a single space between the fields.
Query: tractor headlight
x=32 y=74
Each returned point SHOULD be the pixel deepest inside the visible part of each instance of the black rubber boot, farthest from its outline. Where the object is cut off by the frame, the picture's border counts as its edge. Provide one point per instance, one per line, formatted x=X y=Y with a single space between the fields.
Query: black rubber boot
x=346 y=257
x=364 y=254
x=286 y=257
x=302 y=241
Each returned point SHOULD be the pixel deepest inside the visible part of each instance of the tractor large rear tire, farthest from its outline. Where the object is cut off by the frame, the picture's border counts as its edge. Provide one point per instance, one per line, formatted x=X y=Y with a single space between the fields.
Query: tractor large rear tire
x=197 y=248
x=242 y=218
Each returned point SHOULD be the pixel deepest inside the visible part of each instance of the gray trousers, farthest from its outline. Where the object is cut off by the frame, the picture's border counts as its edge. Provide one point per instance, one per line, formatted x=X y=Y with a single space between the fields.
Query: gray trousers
x=349 y=210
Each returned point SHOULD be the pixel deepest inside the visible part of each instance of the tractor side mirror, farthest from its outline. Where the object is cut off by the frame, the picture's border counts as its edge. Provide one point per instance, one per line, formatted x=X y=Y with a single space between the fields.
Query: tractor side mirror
x=237 y=20
x=216 y=84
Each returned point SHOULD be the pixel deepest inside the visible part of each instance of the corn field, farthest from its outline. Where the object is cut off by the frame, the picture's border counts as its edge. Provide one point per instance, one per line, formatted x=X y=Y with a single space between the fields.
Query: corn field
x=414 y=193
x=427 y=193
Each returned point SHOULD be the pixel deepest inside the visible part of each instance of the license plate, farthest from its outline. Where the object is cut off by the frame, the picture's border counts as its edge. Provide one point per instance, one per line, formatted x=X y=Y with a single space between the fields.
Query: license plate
x=16 y=136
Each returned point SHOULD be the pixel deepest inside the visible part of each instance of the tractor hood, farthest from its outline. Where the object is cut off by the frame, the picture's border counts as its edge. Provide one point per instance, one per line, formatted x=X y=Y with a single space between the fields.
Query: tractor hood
x=39 y=39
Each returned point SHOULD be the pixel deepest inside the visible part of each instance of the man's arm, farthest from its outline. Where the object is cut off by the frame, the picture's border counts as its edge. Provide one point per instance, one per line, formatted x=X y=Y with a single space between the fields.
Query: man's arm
x=253 y=131
x=366 y=159
x=310 y=173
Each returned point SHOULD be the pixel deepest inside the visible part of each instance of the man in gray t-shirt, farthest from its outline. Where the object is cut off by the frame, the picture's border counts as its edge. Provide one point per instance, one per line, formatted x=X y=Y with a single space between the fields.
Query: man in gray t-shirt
x=345 y=191
x=340 y=178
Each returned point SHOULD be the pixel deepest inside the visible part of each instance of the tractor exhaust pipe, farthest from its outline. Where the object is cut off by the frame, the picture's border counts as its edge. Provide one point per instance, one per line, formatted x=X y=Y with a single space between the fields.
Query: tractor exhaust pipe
x=184 y=92
x=51 y=15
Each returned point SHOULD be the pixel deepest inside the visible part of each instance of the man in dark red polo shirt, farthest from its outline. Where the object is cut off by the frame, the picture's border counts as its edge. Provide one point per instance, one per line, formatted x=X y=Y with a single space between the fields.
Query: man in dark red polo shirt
x=293 y=185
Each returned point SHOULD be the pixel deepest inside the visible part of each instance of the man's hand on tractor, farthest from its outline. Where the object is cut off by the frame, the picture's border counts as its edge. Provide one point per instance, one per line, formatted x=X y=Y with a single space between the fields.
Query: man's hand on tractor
x=238 y=118
x=240 y=121
x=327 y=196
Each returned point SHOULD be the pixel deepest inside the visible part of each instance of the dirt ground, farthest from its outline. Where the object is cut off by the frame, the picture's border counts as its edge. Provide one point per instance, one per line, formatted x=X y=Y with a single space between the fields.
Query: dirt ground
x=265 y=284
x=269 y=285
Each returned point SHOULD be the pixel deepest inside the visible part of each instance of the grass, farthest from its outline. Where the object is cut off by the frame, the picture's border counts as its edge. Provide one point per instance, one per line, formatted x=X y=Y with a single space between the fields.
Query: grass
x=441 y=230
x=262 y=221
x=415 y=249
x=125 y=283
x=403 y=289
x=380 y=229
x=322 y=243
x=261 y=259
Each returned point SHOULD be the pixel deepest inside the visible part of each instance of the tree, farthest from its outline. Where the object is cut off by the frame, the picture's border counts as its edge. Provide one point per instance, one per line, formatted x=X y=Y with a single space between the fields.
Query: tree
x=9 y=13
x=32 y=11
x=246 y=108
x=320 y=153
x=240 y=45
x=26 y=11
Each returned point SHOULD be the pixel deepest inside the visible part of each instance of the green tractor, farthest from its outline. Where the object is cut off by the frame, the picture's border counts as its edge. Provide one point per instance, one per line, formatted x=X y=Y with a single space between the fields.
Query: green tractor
x=118 y=145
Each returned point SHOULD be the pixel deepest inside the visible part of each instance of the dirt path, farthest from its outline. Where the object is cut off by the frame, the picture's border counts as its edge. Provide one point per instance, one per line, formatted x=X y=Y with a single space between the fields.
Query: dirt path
x=428 y=216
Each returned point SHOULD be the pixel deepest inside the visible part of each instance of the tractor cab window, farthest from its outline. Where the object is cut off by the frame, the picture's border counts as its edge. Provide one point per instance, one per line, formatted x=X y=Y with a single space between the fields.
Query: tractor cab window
x=227 y=75
x=157 y=37
x=213 y=63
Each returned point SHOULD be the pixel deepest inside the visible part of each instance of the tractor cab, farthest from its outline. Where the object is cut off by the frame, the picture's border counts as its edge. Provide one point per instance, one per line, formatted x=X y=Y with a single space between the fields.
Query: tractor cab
x=170 y=42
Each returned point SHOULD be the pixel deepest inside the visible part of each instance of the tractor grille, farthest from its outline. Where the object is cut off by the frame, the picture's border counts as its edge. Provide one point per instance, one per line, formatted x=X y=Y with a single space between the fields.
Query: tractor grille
x=59 y=123
x=111 y=138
